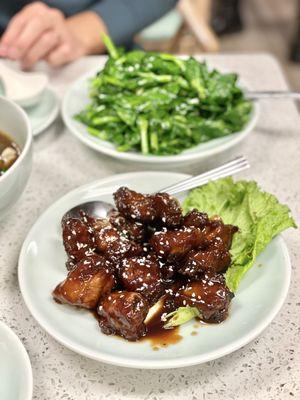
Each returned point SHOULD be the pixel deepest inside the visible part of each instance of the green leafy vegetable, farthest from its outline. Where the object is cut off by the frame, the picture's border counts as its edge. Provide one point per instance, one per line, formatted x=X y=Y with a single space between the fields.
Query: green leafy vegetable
x=181 y=316
x=160 y=104
x=259 y=216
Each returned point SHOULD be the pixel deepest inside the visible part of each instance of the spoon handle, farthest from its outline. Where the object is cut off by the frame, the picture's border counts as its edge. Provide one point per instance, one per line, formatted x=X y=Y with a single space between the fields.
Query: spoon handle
x=273 y=94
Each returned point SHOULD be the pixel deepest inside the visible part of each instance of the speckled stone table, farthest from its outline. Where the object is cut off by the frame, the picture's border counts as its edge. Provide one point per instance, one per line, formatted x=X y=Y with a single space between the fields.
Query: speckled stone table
x=266 y=369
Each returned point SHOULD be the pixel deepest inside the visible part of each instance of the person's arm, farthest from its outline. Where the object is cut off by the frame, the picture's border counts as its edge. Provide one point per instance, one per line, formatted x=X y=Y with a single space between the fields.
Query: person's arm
x=124 y=18
x=88 y=26
x=39 y=32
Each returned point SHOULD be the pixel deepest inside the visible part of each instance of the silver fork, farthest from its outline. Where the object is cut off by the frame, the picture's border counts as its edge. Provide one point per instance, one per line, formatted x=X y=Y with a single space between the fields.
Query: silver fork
x=100 y=209
x=273 y=94
x=232 y=167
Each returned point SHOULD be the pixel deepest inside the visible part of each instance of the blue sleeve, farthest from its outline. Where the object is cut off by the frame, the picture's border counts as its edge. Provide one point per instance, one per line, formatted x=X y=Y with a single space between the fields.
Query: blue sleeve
x=124 y=18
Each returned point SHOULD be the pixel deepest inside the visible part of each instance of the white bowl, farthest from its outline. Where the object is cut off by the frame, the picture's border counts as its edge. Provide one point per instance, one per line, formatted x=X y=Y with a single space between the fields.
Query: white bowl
x=15 y=368
x=42 y=265
x=77 y=98
x=15 y=123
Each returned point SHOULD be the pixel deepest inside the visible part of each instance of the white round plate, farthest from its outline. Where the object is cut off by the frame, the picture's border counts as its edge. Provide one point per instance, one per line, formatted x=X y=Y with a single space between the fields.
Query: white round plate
x=15 y=368
x=42 y=267
x=44 y=113
x=76 y=99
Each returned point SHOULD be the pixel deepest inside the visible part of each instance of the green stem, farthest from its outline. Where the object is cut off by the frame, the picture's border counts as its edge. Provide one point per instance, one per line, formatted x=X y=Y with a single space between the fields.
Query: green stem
x=96 y=132
x=155 y=77
x=176 y=60
x=154 y=141
x=143 y=125
x=111 y=48
x=104 y=120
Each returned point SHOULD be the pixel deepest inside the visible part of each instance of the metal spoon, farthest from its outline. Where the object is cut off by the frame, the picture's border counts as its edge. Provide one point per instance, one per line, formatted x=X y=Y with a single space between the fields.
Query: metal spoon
x=96 y=209
x=100 y=209
x=273 y=94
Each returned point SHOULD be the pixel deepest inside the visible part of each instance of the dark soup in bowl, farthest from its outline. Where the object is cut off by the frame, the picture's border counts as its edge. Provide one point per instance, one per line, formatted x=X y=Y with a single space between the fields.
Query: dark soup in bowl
x=9 y=152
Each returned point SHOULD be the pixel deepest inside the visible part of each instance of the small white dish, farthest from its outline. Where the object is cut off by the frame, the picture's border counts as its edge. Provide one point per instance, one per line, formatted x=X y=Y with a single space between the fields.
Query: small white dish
x=24 y=88
x=43 y=114
x=15 y=368
x=15 y=123
x=42 y=265
x=76 y=99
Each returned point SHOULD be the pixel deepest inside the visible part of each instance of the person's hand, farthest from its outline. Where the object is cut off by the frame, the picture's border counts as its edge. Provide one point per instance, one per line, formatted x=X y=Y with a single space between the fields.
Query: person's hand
x=39 y=32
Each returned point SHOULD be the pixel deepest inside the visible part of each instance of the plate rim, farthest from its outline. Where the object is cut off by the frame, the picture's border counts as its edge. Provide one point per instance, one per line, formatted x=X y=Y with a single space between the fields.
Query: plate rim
x=27 y=391
x=150 y=159
x=51 y=116
x=137 y=363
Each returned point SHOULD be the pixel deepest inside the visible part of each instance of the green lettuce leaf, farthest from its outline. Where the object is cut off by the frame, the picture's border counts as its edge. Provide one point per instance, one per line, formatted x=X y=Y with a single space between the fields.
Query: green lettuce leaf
x=259 y=216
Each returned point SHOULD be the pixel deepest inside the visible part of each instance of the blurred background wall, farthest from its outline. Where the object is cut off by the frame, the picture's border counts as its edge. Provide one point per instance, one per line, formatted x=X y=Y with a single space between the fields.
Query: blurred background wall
x=198 y=26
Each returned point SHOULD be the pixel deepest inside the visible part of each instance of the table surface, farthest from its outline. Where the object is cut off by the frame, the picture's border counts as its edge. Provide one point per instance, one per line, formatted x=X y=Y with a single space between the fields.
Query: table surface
x=268 y=368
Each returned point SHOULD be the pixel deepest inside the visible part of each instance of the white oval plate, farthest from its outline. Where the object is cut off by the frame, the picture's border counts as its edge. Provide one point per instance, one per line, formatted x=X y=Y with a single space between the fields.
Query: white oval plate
x=76 y=99
x=15 y=368
x=42 y=267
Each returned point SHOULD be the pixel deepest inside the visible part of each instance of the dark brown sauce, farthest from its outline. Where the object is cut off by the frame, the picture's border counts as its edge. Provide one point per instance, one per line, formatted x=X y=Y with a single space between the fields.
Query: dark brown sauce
x=156 y=333
x=5 y=141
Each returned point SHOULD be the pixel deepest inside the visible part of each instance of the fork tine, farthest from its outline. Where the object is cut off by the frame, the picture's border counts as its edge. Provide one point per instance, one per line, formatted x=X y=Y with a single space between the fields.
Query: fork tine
x=212 y=177
x=235 y=161
x=196 y=180
x=234 y=166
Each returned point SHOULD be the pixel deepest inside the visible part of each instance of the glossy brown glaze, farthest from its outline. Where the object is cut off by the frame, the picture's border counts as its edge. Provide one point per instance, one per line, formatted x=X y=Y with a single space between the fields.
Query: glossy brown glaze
x=123 y=313
x=174 y=245
x=217 y=231
x=153 y=331
x=89 y=280
x=168 y=210
x=132 y=230
x=197 y=262
x=196 y=219
x=209 y=295
x=111 y=243
x=160 y=208
x=78 y=239
x=143 y=253
x=142 y=275
x=135 y=206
